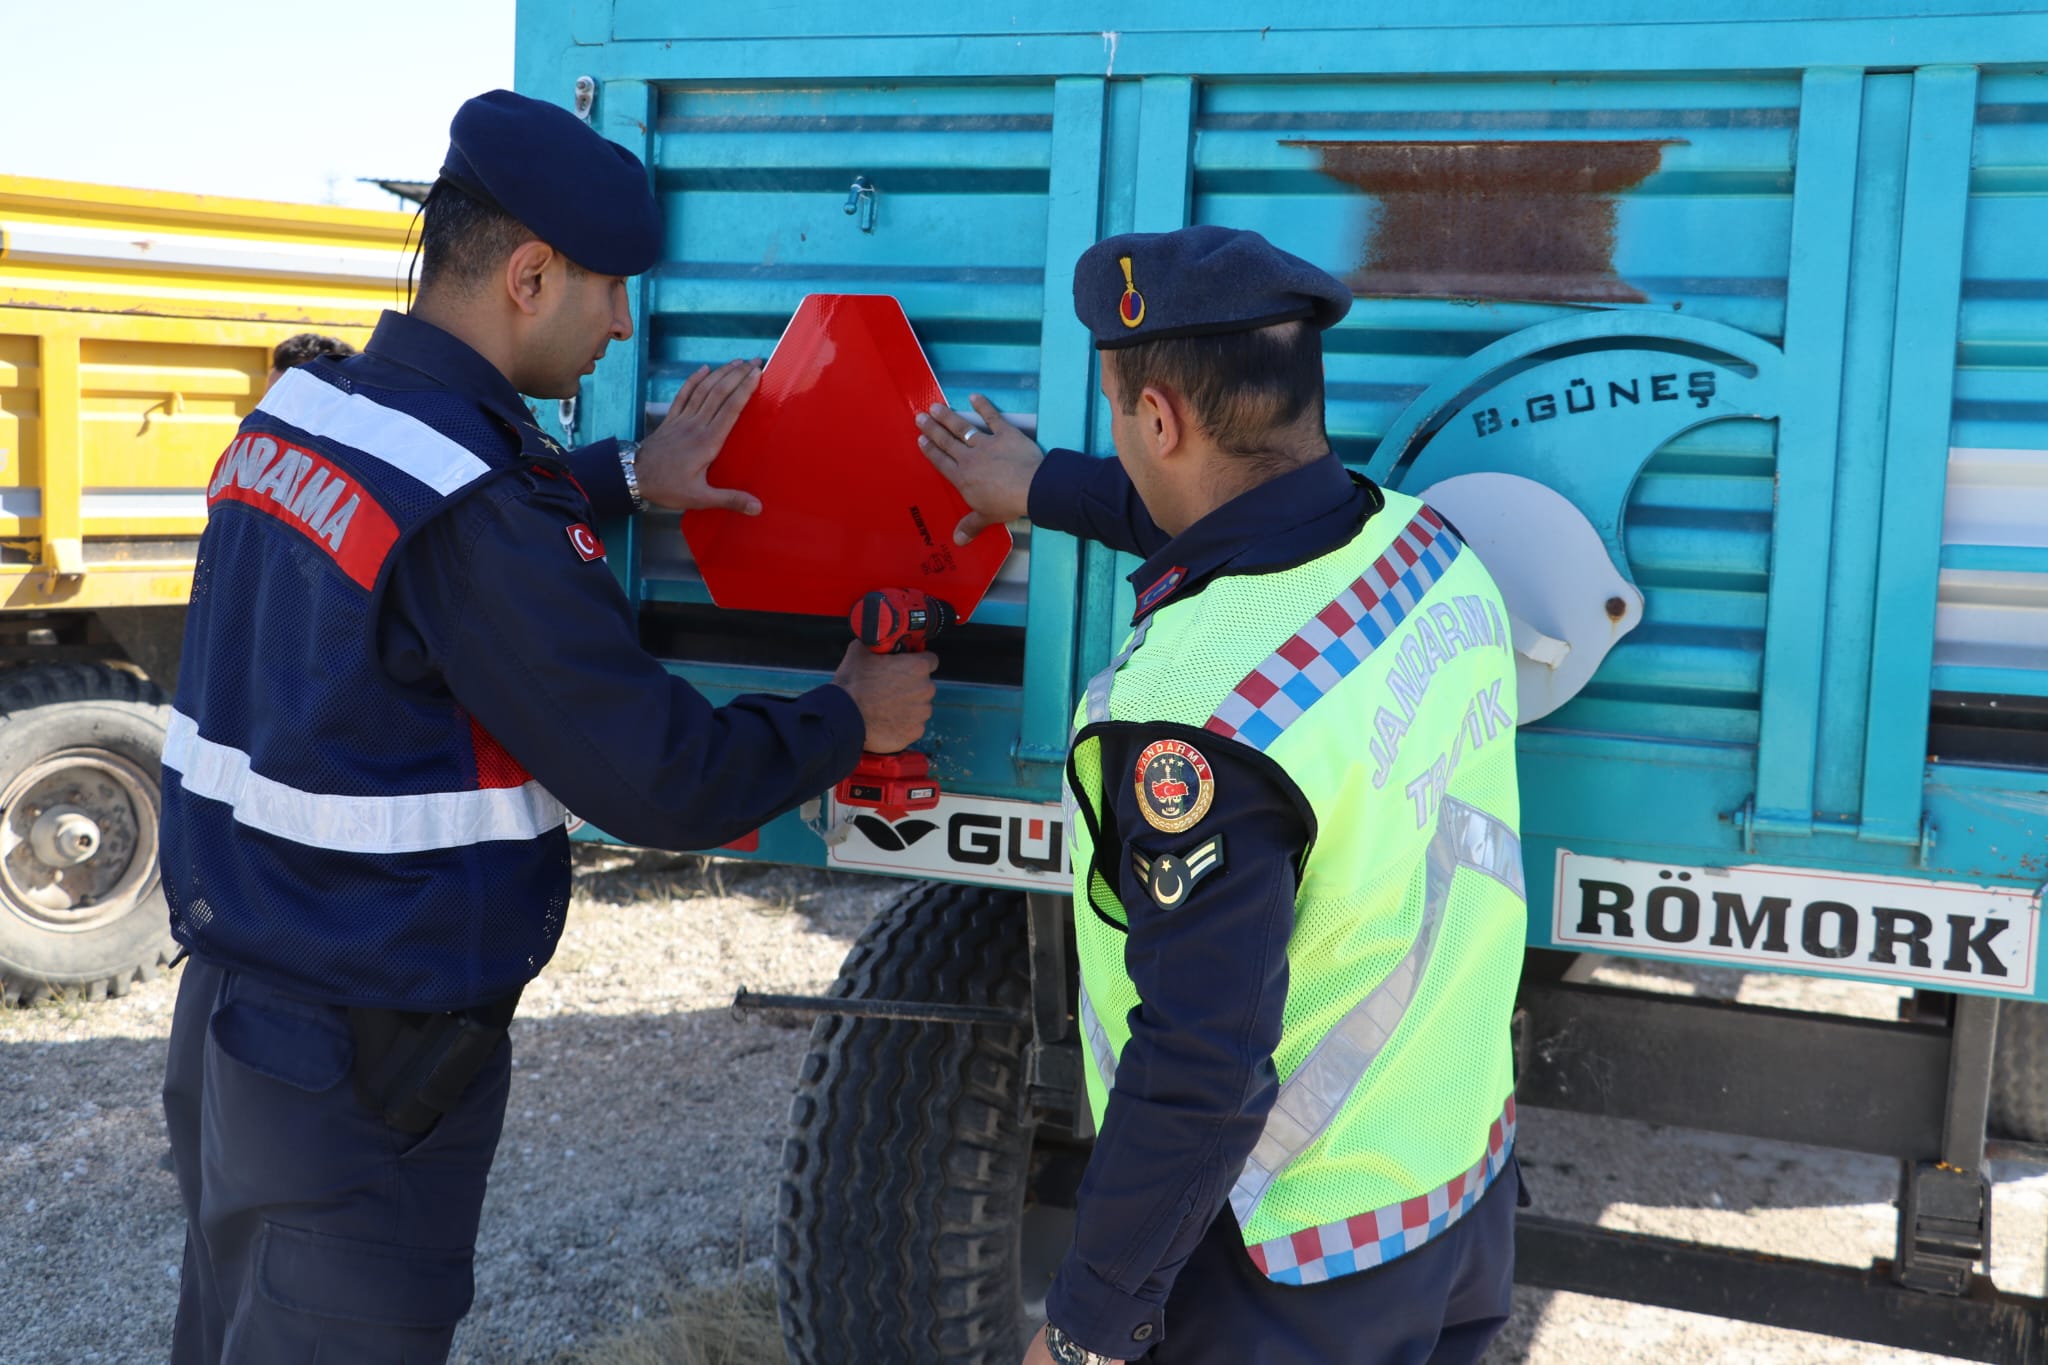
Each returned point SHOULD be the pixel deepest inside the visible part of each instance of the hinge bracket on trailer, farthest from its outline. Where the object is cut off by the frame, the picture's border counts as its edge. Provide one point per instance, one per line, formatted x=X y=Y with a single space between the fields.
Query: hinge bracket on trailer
x=1749 y=822
x=1945 y=1228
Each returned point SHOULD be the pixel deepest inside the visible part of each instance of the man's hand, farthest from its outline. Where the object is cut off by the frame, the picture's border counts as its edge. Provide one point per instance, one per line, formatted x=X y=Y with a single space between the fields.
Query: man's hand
x=992 y=469
x=676 y=455
x=1037 y=1354
x=894 y=693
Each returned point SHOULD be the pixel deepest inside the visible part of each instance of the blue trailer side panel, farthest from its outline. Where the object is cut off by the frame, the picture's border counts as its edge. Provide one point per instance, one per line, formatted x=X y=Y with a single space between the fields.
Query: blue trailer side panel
x=1758 y=286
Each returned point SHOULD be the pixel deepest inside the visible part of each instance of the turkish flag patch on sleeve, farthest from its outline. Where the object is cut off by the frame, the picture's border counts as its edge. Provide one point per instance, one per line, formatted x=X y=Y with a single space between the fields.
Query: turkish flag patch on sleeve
x=586 y=542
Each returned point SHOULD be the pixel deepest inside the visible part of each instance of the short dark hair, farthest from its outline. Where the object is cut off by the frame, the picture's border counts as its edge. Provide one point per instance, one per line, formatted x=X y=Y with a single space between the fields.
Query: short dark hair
x=294 y=351
x=1241 y=388
x=463 y=239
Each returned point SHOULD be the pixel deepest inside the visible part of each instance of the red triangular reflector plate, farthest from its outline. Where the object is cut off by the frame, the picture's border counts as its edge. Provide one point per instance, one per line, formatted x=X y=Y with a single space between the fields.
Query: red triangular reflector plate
x=849 y=503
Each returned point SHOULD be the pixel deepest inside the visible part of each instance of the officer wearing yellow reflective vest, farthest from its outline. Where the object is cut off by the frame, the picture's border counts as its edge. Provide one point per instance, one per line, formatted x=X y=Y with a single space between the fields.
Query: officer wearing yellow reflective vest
x=1298 y=882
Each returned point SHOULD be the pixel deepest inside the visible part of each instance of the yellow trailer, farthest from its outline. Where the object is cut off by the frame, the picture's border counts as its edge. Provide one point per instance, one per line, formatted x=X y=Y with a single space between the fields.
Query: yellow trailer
x=135 y=332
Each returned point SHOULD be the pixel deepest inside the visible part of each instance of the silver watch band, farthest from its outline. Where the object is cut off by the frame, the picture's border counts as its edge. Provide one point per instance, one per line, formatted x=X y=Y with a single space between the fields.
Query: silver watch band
x=1067 y=1351
x=629 y=465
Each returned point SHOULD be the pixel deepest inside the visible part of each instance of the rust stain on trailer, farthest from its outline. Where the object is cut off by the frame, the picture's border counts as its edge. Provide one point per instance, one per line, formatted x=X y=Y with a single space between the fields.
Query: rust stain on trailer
x=1502 y=220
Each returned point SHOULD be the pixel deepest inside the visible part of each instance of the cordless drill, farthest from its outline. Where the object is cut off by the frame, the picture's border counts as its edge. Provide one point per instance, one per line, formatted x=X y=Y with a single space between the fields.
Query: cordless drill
x=895 y=621
x=899 y=620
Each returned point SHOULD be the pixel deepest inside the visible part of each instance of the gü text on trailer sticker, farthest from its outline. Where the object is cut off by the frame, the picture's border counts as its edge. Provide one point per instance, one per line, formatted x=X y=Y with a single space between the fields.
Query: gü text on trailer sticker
x=962 y=839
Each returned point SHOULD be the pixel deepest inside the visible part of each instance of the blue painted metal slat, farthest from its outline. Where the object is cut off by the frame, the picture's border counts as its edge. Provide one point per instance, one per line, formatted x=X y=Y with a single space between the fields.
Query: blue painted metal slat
x=1161 y=192
x=1864 y=399
x=1816 y=333
x=1990 y=681
x=1916 y=450
x=1066 y=366
x=850 y=39
x=861 y=18
x=2031 y=559
x=1151 y=131
x=610 y=402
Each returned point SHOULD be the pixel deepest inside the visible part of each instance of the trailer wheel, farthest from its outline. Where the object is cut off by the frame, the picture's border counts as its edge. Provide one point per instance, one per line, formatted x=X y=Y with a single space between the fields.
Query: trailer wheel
x=899 y=1232
x=81 y=904
x=2019 y=1072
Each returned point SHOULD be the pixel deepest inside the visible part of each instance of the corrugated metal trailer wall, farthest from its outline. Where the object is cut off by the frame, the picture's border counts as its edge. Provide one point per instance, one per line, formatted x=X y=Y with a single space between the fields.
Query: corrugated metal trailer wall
x=1754 y=290
x=1704 y=228
x=1991 y=629
x=1830 y=215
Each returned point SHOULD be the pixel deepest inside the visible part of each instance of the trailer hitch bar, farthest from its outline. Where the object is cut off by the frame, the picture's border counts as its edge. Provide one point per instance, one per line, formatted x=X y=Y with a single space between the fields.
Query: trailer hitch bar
x=919 y=1011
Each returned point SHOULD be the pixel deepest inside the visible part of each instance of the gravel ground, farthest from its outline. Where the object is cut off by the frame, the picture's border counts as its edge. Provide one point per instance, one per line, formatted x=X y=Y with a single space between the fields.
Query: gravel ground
x=1766 y=1196
x=643 y=1139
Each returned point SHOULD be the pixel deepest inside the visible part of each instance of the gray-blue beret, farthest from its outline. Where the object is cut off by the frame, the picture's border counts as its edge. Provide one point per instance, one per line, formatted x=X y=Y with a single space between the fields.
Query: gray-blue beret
x=585 y=196
x=1143 y=286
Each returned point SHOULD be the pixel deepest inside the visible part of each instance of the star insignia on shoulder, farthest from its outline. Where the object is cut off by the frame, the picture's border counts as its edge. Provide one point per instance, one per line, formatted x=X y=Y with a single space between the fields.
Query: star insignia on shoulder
x=1171 y=876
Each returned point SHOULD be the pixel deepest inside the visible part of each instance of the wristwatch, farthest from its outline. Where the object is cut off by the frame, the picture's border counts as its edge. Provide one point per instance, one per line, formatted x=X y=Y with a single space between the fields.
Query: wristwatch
x=629 y=465
x=1067 y=1352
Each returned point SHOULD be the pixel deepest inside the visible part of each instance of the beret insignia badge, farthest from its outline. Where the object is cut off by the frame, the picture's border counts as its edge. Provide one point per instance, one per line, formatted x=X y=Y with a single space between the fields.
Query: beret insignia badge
x=1131 y=308
x=1175 y=786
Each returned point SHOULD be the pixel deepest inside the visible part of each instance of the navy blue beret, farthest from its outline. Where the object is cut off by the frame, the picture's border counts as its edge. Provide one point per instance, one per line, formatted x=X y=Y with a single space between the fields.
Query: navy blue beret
x=1143 y=286
x=585 y=196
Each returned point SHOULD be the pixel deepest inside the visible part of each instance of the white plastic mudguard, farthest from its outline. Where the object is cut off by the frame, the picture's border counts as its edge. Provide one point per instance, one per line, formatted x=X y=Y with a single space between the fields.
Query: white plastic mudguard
x=1554 y=574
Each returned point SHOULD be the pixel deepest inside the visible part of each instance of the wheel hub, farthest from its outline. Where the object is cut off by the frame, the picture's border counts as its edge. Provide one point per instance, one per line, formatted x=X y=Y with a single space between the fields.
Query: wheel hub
x=64 y=837
x=77 y=839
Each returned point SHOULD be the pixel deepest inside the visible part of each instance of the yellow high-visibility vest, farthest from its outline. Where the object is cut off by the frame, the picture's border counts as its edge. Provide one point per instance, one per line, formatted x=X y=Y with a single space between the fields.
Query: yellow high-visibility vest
x=1381 y=679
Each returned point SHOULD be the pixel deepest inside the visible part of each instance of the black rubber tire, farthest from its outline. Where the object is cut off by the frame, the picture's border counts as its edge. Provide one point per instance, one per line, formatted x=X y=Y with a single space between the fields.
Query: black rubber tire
x=904 y=1172
x=44 y=710
x=2019 y=1072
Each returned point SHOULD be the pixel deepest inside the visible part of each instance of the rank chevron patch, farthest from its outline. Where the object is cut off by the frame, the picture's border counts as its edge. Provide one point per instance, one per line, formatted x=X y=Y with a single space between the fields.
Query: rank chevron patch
x=1171 y=876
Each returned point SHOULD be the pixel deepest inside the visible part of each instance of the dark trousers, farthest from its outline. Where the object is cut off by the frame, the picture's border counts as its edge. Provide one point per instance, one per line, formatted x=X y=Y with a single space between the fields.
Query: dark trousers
x=313 y=1230
x=1438 y=1305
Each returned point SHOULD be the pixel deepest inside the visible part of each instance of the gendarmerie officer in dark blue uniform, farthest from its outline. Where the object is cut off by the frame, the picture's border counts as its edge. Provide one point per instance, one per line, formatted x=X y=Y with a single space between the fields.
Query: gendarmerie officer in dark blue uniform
x=405 y=661
x=1225 y=486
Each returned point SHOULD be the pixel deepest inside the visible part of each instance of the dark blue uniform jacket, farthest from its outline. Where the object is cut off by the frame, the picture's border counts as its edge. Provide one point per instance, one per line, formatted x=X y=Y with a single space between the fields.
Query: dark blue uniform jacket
x=493 y=603
x=492 y=610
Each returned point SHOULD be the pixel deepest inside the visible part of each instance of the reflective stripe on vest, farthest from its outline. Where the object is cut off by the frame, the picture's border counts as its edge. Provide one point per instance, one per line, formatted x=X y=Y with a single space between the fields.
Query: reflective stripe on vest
x=1318 y=656
x=1365 y=1240
x=321 y=409
x=1096 y=700
x=1316 y=1093
x=1312 y=1097
x=1095 y=707
x=1098 y=1040
x=413 y=823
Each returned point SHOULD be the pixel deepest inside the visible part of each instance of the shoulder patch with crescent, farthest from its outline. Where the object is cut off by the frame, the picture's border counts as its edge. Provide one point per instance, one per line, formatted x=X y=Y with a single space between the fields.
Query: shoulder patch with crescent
x=1171 y=876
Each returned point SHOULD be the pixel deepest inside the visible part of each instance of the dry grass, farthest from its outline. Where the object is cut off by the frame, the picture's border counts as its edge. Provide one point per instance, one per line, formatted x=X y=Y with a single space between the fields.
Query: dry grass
x=731 y=1322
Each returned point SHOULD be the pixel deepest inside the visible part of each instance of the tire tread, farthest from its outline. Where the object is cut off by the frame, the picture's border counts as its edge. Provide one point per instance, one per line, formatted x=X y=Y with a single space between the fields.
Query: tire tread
x=2019 y=1072
x=905 y=1165
x=61 y=684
